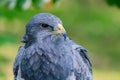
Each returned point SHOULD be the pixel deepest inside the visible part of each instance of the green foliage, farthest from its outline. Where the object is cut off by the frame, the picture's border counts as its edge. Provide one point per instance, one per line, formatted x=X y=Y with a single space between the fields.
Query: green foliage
x=114 y=2
x=38 y=3
x=3 y=60
x=2 y=75
x=55 y=1
x=25 y=4
x=7 y=38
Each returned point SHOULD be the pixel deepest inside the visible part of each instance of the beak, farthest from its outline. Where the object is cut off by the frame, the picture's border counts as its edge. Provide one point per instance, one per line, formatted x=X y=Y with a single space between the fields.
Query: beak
x=60 y=30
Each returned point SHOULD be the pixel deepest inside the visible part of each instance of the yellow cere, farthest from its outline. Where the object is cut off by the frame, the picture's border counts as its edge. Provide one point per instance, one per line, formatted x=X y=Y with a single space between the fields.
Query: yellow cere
x=60 y=27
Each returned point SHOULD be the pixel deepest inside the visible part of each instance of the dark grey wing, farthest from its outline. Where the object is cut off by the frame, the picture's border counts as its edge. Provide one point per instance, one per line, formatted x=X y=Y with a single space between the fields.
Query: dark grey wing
x=17 y=61
x=83 y=53
x=82 y=64
x=78 y=49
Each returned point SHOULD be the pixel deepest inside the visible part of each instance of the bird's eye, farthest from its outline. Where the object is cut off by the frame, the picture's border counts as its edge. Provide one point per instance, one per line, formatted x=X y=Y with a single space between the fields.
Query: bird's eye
x=44 y=25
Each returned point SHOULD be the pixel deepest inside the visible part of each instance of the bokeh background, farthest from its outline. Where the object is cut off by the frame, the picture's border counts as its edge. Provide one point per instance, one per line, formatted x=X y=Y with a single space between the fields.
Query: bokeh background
x=93 y=24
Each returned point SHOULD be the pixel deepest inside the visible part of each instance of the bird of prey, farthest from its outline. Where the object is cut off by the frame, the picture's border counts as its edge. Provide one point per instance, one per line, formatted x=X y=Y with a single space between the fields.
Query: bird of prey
x=49 y=54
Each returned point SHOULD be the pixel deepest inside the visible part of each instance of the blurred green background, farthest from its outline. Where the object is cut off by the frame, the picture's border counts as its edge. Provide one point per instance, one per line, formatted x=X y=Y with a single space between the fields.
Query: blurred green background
x=92 y=23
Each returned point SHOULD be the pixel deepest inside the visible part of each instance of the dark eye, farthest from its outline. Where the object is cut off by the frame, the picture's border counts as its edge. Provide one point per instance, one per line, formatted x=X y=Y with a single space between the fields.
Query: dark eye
x=44 y=25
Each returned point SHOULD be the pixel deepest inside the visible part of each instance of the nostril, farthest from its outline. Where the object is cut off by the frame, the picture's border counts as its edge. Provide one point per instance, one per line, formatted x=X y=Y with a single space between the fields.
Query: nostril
x=59 y=28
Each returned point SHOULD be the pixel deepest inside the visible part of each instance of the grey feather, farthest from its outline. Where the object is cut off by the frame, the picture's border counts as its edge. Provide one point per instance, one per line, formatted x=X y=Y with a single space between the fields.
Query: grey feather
x=47 y=56
x=17 y=62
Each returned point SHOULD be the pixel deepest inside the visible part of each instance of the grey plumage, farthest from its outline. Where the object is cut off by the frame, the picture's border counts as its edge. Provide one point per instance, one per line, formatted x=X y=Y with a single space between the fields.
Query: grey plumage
x=48 y=54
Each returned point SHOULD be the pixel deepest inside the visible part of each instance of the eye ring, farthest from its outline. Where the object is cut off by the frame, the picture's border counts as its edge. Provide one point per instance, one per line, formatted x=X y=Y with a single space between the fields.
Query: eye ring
x=44 y=25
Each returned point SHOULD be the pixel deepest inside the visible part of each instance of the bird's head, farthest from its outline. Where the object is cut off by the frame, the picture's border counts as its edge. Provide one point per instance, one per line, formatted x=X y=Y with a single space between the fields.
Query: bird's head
x=43 y=25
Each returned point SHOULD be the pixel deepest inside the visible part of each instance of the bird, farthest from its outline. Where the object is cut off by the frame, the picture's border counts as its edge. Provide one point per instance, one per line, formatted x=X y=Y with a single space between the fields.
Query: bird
x=48 y=53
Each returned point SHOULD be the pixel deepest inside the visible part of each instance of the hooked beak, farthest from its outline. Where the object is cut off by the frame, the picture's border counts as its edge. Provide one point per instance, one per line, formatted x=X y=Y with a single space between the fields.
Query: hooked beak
x=60 y=30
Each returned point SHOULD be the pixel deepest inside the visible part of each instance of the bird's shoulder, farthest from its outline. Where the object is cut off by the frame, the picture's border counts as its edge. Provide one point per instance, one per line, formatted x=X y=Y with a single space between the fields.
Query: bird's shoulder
x=83 y=52
x=18 y=60
x=19 y=56
x=82 y=65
